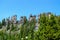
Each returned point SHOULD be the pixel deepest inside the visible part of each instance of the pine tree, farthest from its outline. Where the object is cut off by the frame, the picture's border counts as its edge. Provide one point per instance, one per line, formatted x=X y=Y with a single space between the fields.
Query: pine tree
x=3 y=22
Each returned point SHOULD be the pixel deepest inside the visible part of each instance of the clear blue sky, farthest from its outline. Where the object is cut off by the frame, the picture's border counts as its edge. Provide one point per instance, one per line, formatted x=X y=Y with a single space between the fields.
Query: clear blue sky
x=27 y=7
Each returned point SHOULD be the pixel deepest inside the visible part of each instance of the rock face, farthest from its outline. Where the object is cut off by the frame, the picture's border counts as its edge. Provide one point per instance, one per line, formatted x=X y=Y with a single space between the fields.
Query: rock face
x=21 y=20
x=38 y=19
x=32 y=18
x=14 y=19
x=49 y=14
x=36 y=26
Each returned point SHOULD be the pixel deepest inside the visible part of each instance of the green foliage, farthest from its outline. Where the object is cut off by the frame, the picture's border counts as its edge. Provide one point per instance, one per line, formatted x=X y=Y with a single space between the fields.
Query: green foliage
x=3 y=22
x=48 y=29
x=0 y=25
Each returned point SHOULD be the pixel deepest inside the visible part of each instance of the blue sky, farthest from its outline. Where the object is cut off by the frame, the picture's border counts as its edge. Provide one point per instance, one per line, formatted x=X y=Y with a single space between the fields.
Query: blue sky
x=27 y=7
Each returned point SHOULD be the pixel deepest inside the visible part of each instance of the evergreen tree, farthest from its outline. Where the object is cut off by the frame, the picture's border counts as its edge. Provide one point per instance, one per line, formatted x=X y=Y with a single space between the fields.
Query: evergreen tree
x=0 y=25
x=3 y=22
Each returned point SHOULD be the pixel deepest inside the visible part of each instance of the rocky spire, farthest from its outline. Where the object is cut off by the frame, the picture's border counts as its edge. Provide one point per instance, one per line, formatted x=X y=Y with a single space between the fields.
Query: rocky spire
x=32 y=17
x=49 y=14
x=14 y=19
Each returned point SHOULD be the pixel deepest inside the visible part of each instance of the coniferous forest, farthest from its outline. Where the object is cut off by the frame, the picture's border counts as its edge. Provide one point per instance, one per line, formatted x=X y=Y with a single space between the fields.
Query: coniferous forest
x=45 y=26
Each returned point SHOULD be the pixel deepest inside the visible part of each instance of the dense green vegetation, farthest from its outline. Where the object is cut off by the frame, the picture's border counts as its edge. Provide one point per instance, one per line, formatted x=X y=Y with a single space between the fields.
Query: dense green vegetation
x=48 y=29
